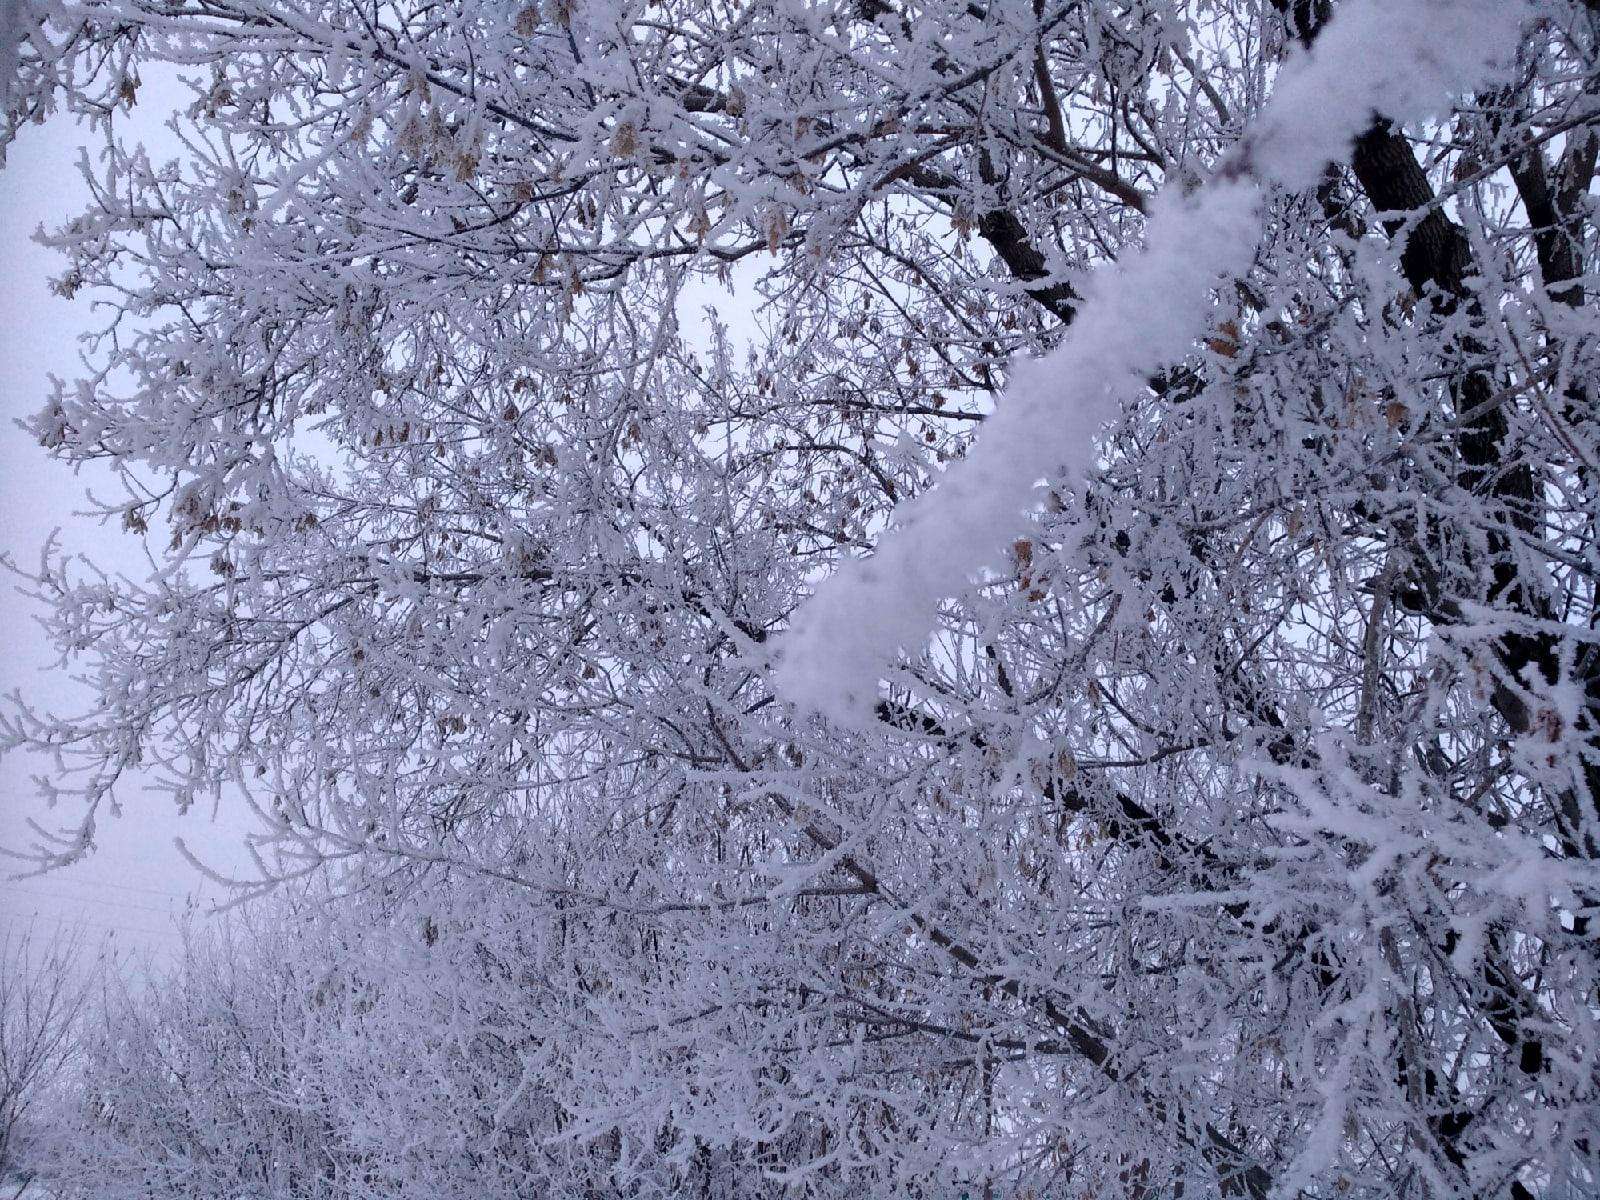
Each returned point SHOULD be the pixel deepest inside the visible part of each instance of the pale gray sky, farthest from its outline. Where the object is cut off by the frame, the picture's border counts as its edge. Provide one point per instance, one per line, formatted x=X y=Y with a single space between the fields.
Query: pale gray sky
x=135 y=884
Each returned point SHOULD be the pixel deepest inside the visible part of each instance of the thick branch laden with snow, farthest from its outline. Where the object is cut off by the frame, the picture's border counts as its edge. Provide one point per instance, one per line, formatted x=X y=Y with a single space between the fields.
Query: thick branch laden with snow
x=1401 y=59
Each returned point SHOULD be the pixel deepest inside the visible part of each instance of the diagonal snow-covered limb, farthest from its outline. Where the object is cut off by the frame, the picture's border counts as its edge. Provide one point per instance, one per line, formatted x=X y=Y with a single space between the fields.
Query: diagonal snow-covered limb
x=1400 y=58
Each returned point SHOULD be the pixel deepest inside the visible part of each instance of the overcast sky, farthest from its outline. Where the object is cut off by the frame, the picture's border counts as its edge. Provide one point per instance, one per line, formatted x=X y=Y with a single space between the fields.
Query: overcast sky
x=136 y=884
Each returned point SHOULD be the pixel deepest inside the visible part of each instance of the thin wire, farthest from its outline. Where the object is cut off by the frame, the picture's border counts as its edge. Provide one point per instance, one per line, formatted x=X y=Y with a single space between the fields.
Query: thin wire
x=69 y=899
x=28 y=919
x=121 y=887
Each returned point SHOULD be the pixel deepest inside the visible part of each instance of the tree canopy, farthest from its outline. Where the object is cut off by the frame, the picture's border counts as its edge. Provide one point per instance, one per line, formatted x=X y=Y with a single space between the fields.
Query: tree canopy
x=1080 y=678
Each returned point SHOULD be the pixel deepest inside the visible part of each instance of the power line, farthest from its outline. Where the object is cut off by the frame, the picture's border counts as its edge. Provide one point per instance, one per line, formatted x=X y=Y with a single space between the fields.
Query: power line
x=84 y=899
x=121 y=887
x=20 y=919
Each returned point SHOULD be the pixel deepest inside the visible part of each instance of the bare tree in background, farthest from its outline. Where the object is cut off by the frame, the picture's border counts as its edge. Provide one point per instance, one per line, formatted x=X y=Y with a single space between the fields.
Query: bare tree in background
x=43 y=988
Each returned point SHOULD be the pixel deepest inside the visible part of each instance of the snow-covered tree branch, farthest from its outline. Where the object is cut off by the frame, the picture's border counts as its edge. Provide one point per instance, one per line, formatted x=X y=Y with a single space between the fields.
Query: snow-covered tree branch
x=841 y=597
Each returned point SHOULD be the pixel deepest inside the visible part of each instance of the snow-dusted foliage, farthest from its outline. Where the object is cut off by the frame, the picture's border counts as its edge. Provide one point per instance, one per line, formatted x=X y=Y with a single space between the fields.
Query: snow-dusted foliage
x=1144 y=311
x=44 y=987
x=1197 y=797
